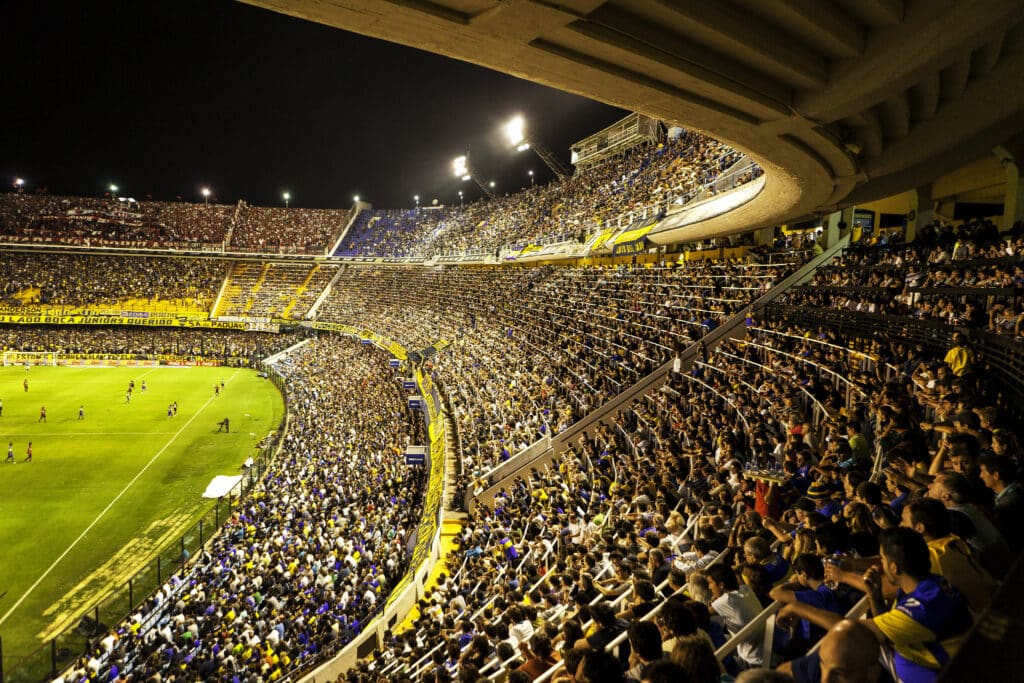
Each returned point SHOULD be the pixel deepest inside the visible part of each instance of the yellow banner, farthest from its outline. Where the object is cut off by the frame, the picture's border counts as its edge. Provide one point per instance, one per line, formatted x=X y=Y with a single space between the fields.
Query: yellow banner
x=396 y=349
x=92 y=310
x=631 y=235
x=118 y=320
x=435 y=487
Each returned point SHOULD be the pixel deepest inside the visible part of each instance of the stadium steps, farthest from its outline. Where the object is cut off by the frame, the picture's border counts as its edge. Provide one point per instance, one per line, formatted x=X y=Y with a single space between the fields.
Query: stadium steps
x=262 y=278
x=451 y=528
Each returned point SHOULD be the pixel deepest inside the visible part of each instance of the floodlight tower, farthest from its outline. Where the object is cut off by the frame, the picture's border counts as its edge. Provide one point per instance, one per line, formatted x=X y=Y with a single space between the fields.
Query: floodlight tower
x=460 y=166
x=287 y=197
x=206 y=195
x=515 y=129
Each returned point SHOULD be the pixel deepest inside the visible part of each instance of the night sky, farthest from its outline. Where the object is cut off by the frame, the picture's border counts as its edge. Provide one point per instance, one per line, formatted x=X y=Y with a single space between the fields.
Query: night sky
x=163 y=98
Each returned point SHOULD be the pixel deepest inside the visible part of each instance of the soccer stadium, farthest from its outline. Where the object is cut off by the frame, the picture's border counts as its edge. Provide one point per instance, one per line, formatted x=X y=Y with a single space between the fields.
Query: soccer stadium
x=731 y=390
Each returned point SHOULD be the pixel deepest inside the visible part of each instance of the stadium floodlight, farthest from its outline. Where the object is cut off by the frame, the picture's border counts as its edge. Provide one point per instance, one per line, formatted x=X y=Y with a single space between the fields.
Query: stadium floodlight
x=460 y=197
x=356 y=199
x=206 y=195
x=416 y=198
x=113 y=188
x=491 y=184
x=461 y=168
x=287 y=196
x=515 y=130
x=19 y=182
x=530 y=173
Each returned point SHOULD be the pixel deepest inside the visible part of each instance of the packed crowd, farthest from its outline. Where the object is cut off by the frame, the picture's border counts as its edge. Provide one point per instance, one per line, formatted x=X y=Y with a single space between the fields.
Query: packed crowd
x=743 y=485
x=966 y=278
x=550 y=344
x=100 y=222
x=263 y=289
x=122 y=222
x=81 y=281
x=796 y=469
x=309 y=557
x=649 y=175
x=287 y=231
x=224 y=345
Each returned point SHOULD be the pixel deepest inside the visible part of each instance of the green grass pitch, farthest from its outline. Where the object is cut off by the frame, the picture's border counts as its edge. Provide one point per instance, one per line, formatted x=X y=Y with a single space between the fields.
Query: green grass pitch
x=103 y=493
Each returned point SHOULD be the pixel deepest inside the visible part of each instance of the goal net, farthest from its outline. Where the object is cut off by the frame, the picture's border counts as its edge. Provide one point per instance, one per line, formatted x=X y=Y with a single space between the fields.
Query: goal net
x=29 y=358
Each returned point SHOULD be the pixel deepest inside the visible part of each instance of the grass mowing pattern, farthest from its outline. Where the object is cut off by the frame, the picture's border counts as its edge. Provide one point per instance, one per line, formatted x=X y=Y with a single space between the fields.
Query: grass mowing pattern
x=80 y=466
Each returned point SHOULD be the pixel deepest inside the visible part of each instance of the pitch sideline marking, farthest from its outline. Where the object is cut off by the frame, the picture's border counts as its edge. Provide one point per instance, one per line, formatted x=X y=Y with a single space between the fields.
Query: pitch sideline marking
x=105 y=510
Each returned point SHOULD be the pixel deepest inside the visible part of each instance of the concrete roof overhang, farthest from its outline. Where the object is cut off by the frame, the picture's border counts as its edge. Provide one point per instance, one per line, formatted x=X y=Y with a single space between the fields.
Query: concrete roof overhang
x=841 y=102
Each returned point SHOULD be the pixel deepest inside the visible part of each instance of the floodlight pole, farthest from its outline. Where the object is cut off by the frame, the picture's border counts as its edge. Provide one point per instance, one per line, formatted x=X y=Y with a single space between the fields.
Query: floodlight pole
x=488 y=191
x=552 y=162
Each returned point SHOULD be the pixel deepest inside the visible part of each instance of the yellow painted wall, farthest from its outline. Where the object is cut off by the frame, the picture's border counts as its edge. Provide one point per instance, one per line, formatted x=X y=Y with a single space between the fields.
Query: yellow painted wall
x=899 y=203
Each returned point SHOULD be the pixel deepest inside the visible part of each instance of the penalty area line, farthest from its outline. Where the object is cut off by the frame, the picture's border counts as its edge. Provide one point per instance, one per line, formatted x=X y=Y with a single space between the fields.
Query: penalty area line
x=105 y=510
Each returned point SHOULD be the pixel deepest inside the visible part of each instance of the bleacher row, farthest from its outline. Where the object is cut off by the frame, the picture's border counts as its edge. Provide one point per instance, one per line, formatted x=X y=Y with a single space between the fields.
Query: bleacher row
x=811 y=437
x=531 y=350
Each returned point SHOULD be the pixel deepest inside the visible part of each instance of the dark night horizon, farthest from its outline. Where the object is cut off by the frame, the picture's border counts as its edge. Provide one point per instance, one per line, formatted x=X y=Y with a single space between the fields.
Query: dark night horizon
x=163 y=98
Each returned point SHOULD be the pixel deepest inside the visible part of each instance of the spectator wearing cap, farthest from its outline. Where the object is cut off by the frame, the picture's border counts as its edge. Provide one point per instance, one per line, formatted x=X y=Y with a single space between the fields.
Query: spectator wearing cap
x=821 y=495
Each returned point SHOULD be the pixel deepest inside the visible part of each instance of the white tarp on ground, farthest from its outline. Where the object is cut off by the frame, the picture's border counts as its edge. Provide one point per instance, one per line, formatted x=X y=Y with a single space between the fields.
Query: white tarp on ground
x=221 y=486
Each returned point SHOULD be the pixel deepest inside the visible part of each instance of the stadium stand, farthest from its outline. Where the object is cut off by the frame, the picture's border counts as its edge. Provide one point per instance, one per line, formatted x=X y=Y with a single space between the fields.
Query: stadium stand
x=756 y=479
x=107 y=222
x=288 y=231
x=229 y=346
x=726 y=516
x=652 y=175
x=310 y=556
x=156 y=284
x=551 y=343
x=272 y=290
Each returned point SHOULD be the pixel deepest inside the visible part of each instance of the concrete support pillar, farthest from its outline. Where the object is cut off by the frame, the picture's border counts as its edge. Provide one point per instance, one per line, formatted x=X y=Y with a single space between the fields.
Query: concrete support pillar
x=764 y=236
x=834 y=225
x=922 y=211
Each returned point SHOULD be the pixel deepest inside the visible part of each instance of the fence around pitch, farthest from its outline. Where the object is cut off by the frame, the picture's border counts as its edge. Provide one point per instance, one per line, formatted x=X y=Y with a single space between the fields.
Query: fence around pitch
x=48 y=660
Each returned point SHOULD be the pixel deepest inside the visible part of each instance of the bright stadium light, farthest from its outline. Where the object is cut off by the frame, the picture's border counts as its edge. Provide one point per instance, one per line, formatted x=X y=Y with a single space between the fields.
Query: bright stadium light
x=462 y=169
x=356 y=198
x=491 y=184
x=515 y=131
x=416 y=198
x=287 y=196
x=460 y=197
x=460 y=166
x=206 y=195
x=113 y=188
x=530 y=173
x=19 y=184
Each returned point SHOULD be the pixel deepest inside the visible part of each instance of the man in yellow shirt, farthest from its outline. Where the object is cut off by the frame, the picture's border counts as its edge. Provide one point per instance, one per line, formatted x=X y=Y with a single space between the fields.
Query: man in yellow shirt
x=951 y=557
x=960 y=358
x=929 y=620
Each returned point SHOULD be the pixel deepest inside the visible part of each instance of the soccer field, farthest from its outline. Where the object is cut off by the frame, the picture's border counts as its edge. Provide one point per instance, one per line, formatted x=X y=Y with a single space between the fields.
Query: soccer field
x=105 y=493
